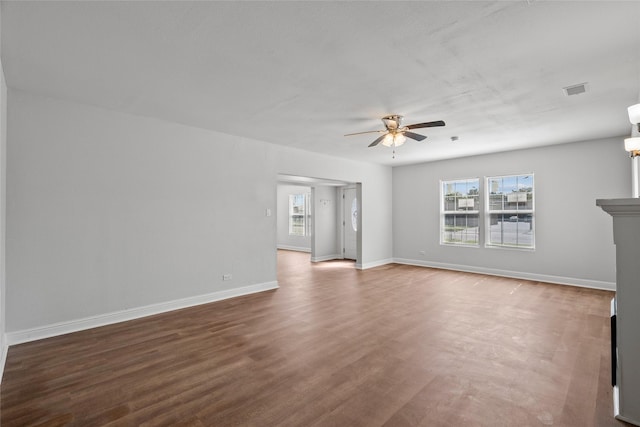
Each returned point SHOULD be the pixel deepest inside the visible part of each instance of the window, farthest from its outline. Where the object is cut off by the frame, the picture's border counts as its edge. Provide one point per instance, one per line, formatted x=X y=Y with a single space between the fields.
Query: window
x=298 y=214
x=459 y=212
x=510 y=211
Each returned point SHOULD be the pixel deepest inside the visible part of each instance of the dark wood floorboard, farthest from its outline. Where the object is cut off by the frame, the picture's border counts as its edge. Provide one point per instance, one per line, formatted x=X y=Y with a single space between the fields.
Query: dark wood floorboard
x=391 y=346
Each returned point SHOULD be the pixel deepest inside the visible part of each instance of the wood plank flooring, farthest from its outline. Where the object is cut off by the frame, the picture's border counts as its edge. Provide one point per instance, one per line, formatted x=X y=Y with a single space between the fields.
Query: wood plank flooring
x=390 y=346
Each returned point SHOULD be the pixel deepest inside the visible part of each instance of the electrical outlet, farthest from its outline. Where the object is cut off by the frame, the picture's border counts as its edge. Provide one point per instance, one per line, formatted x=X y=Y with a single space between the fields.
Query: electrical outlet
x=227 y=276
x=423 y=253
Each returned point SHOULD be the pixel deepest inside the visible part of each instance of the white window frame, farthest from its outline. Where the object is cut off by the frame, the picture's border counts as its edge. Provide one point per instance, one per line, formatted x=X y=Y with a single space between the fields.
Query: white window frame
x=306 y=205
x=513 y=213
x=444 y=212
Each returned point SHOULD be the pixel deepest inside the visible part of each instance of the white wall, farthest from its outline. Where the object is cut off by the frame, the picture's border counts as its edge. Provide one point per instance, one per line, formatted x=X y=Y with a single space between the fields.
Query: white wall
x=110 y=213
x=3 y=210
x=375 y=197
x=286 y=241
x=574 y=243
x=325 y=236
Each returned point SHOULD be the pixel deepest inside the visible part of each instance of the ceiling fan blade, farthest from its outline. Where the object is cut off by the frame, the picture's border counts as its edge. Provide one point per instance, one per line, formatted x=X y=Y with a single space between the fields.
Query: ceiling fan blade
x=377 y=141
x=415 y=136
x=426 y=125
x=369 y=131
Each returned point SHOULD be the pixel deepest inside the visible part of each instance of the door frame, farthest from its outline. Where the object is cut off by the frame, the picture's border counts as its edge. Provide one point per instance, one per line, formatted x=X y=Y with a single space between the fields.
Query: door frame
x=312 y=182
x=343 y=220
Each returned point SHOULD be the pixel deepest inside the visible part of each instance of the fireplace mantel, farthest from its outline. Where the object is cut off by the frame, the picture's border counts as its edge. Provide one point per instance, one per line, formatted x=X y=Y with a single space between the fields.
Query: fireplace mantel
x=626 y=236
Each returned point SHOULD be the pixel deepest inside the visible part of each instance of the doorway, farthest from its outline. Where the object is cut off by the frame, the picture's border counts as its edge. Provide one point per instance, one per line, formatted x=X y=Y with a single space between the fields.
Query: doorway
x=332 y=204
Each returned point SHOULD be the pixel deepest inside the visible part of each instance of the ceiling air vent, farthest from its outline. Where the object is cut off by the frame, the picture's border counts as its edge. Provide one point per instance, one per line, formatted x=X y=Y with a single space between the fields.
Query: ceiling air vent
x=575 y=89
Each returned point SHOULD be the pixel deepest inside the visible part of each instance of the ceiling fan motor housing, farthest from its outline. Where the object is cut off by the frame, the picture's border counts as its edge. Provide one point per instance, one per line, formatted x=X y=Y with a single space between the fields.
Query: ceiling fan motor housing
x=392 y=121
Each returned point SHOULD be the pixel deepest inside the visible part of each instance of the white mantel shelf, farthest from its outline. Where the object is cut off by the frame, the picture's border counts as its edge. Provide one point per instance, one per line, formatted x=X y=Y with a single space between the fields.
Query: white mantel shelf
x=626 y=236
x=620 y=206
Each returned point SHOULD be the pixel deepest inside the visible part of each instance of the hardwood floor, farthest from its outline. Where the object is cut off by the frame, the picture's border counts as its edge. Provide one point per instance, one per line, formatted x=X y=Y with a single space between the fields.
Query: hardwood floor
x=390 y=346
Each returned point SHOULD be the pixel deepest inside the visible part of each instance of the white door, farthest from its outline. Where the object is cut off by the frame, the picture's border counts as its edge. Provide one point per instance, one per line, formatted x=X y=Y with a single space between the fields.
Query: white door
x=350 y=212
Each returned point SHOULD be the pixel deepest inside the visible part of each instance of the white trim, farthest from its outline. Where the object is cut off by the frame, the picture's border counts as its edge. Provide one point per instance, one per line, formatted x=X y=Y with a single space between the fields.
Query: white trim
x=294 y=248
x=488 y=212
x=584 y=283
x=616 y=408
x=47 y=331
x=3 y=357
x=443 y=213
x=325 y=258
x=374 y=264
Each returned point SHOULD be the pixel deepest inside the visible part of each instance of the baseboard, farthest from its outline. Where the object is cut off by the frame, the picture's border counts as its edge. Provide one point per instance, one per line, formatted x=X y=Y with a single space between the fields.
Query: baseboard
x=361 y=266
x=294 y=248
x=62 y=328
x=3 y=360
x=325 y=258
x=584 y=283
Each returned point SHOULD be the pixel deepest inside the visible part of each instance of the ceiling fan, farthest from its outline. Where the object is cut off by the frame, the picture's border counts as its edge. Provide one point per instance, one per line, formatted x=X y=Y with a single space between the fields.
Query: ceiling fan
x=396 y=134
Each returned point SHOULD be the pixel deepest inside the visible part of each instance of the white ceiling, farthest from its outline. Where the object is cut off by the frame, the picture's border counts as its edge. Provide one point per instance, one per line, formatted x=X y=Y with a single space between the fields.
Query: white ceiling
x=303 y=74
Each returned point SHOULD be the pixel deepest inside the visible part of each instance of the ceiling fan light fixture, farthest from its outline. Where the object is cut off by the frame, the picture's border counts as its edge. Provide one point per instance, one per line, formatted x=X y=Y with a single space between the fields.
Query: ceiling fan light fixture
x=394 y=140
x=396 y=134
